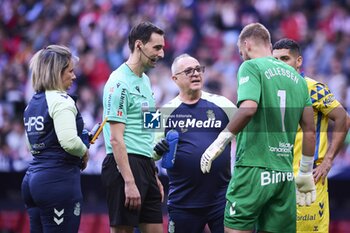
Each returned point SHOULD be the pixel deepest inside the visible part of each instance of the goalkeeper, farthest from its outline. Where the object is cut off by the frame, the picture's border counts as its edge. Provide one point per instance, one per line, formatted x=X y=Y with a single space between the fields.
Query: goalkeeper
x=325 y=107
x=272 y=100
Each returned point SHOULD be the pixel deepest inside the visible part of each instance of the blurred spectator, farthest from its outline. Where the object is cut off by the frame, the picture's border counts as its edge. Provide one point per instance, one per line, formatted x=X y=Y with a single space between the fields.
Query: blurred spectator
x=337 y=80
x=97 y=30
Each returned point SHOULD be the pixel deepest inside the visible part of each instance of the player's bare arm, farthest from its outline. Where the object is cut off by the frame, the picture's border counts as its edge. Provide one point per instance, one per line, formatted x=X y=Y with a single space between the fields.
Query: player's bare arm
x=245 y=112
x=340 y=118
x=308 y=127
x=132 y=194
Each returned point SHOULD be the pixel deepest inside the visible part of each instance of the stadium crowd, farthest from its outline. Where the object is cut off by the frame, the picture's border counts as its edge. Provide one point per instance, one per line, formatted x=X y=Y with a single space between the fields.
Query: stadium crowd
x=96 y=31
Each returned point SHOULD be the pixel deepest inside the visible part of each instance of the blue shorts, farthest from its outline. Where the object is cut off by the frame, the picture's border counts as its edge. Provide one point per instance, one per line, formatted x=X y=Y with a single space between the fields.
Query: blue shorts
x=53 y=199
x=184 y=220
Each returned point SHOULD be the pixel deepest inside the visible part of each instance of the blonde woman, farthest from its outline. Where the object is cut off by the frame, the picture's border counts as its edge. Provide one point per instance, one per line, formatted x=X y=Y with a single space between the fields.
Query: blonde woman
x=51 y=187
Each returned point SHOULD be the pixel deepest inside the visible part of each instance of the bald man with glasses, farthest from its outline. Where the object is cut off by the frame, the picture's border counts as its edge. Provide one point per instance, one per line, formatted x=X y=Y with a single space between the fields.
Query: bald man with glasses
x=195 y=199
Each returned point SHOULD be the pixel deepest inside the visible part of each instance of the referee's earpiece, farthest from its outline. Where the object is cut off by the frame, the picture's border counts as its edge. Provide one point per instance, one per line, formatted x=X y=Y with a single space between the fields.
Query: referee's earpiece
x=150 y=58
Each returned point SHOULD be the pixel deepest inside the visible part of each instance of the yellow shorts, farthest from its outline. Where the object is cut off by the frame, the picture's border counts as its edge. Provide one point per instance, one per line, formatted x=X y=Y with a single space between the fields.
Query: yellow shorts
x=315 y=218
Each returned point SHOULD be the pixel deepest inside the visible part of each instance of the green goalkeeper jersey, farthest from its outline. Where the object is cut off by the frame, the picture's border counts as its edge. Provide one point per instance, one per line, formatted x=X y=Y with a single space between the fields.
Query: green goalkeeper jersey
x=281 y=94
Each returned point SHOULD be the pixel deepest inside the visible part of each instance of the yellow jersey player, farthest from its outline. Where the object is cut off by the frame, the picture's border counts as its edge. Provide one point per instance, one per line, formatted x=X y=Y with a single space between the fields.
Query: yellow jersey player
x=315 y=218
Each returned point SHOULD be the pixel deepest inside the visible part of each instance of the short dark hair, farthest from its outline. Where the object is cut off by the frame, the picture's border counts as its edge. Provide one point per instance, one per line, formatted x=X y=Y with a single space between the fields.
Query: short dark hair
x=143 y=32
x=290 y=44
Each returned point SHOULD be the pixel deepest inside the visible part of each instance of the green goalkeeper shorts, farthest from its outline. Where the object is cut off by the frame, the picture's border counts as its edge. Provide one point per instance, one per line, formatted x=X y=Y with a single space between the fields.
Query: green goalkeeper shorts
x=261 y=199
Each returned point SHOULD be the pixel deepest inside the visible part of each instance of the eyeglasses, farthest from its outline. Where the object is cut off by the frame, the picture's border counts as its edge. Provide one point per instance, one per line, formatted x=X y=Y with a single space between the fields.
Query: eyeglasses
x=190 y=71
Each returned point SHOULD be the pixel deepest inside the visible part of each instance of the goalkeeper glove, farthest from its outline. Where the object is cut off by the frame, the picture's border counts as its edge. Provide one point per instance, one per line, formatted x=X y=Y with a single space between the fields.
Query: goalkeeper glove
x=306 y=189
x=214 y=150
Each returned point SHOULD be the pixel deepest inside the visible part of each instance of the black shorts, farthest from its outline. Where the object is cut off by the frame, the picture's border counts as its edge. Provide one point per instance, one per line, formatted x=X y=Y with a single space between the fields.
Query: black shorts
x=144 y=174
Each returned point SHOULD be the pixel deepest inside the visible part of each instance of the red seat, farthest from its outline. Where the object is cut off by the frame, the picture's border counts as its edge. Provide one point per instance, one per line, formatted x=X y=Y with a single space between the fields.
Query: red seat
x=12 y=220
x=165 y=223
x=88 y=223
x=26 y=224
x=343 y=227
x=103 y=224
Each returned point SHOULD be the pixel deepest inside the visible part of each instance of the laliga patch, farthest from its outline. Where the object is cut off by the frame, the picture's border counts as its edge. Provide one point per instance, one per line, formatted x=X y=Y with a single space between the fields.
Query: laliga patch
x=328 y=100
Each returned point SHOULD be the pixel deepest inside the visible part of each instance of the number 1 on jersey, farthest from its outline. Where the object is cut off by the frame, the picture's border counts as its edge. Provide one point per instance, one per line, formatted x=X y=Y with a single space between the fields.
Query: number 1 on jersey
x=282 y=95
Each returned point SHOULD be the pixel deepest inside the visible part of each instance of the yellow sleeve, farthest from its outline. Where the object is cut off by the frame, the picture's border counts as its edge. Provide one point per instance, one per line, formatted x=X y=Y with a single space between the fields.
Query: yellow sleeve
x=322 y=98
